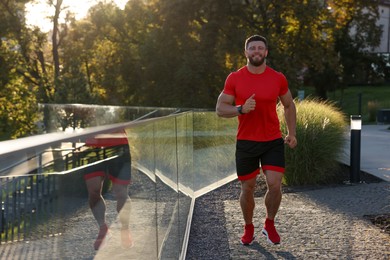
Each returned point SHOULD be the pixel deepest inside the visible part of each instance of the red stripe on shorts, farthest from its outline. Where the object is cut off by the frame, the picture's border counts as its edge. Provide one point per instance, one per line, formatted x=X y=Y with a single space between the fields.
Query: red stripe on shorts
x=93 y=175
x=249 y=176
x=119 y=181
x=273 y=168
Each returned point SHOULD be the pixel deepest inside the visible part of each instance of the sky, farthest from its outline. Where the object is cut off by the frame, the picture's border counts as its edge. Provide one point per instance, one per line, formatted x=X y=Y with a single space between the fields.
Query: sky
x=37 y=13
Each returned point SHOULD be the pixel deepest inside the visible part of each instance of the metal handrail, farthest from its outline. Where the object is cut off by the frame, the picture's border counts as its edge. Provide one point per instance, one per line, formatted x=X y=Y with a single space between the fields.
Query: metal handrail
x=41 y=142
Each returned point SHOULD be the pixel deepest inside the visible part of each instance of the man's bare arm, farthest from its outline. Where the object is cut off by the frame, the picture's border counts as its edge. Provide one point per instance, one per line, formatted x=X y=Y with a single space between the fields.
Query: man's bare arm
x=225 y=107
x=290 y=115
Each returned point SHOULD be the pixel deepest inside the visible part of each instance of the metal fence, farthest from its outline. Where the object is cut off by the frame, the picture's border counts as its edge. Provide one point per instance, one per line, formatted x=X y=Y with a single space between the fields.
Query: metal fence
x=25 y=202
x=30 y=203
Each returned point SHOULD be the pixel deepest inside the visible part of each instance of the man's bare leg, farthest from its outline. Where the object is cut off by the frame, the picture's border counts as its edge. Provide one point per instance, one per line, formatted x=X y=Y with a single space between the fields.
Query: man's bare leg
x=96 y=200
x=123 y=205
x=273 y=197
x=247 y=200
x=247 y=203
x=123 y=208
x=98 y=208
x=272 y=200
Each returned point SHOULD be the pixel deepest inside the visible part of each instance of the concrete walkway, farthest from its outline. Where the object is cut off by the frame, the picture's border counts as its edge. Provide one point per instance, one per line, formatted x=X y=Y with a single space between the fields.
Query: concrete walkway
x=375 y=151
x=325 y=223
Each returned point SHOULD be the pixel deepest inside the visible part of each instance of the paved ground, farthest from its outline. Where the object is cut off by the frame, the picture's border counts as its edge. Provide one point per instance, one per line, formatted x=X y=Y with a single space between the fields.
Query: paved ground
x=319 y=224
x=375 y=150
x=326 y=223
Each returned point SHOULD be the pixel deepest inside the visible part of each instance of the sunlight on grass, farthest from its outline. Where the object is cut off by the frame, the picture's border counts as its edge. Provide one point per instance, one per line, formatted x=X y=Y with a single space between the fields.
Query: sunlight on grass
x=320 y=133
x=196 y=144
x=372 y=99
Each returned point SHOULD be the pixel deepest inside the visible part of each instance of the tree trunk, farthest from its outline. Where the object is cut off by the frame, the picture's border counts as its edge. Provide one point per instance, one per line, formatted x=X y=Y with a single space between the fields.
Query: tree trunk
x=55 y=41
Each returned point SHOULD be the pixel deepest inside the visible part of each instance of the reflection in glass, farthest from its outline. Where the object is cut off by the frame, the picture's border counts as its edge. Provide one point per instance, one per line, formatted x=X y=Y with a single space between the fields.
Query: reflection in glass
x=44 y=197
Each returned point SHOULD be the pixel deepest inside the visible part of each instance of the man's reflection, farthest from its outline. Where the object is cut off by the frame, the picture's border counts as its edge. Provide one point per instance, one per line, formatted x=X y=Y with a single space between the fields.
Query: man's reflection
x=118 y=170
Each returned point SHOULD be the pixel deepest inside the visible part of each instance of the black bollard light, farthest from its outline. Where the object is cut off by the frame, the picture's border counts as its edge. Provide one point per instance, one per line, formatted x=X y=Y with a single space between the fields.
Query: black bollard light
x=356 y=126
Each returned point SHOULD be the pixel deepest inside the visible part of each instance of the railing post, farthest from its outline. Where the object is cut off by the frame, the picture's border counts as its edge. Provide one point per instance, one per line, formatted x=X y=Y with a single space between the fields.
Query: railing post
x=40 y=170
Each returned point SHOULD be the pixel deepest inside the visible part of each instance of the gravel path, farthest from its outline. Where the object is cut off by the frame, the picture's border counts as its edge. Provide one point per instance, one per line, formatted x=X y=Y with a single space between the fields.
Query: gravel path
x=324 y=223
x=314 y=223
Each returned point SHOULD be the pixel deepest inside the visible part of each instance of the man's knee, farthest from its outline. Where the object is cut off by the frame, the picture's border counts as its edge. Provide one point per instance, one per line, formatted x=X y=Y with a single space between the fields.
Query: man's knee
x=248 y=186
x=94 y=195
x=120 y=192
x=274 y=181
x=275 y=188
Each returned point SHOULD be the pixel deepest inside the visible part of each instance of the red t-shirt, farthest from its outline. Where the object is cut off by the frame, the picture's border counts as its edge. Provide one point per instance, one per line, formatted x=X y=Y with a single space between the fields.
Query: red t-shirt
x=108 y=140
x=261 y=124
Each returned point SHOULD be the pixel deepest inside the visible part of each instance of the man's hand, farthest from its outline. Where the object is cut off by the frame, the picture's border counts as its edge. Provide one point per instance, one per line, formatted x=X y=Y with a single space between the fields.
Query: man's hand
x=291 y=141
x=249 y=105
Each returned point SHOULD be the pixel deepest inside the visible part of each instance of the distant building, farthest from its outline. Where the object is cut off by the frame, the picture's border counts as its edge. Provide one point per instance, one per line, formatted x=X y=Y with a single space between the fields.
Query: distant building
x=384 y=22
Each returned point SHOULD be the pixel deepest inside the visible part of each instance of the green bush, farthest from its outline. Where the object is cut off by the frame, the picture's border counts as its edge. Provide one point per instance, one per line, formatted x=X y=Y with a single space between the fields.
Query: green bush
x=372 y=107
x=320 y=134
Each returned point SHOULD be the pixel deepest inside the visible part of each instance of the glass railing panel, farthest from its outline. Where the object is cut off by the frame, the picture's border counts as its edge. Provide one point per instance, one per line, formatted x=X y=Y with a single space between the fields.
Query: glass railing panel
x=45 y=209
x=142 y=146
x=69 y=117
x=173 y=241
x=172 y=139
x=142 y=220
x=28 y=207
x=214 y=148
x=38 y=201
x=166 y=186
x=185 y=149
x=166 y=149
x=45 y=201
x=139 y=211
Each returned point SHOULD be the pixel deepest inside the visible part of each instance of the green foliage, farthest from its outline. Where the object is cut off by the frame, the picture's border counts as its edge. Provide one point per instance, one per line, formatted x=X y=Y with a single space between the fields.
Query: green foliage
x=211 y=131
x=177 y=54
x=18 y=109
x=372 y=99
x=320 y=134
x=357 y=63
x=198 y=142
x=372 y=108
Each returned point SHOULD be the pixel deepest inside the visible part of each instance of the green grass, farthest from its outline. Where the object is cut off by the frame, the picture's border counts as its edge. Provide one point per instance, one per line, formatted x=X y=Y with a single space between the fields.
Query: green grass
x=205 y=144
x=373 y=98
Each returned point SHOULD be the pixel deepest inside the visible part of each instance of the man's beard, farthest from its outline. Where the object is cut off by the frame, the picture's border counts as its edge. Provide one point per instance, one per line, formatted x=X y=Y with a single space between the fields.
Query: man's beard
x=257 y=63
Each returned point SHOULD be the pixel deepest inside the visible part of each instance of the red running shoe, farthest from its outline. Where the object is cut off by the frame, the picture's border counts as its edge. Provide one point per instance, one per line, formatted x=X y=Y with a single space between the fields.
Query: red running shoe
x=102 y=237
x=248 y=236
x=270 y=232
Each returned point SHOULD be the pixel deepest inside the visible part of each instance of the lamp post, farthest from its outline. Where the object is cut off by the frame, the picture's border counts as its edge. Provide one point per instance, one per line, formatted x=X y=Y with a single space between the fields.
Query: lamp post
x=356 y=126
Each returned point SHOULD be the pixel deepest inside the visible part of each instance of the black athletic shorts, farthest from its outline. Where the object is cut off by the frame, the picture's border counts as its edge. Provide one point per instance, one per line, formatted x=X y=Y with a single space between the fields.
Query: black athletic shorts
x=250 y=154
x=118 y=170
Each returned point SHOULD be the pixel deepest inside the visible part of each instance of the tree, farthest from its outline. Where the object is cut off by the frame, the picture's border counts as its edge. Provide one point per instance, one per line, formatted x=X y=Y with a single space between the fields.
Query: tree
x=104 y=50
x=186 y=53
x=178 y=53
x=17 y=74
x=354 y=36
x=359 y=64
x=180 y=47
